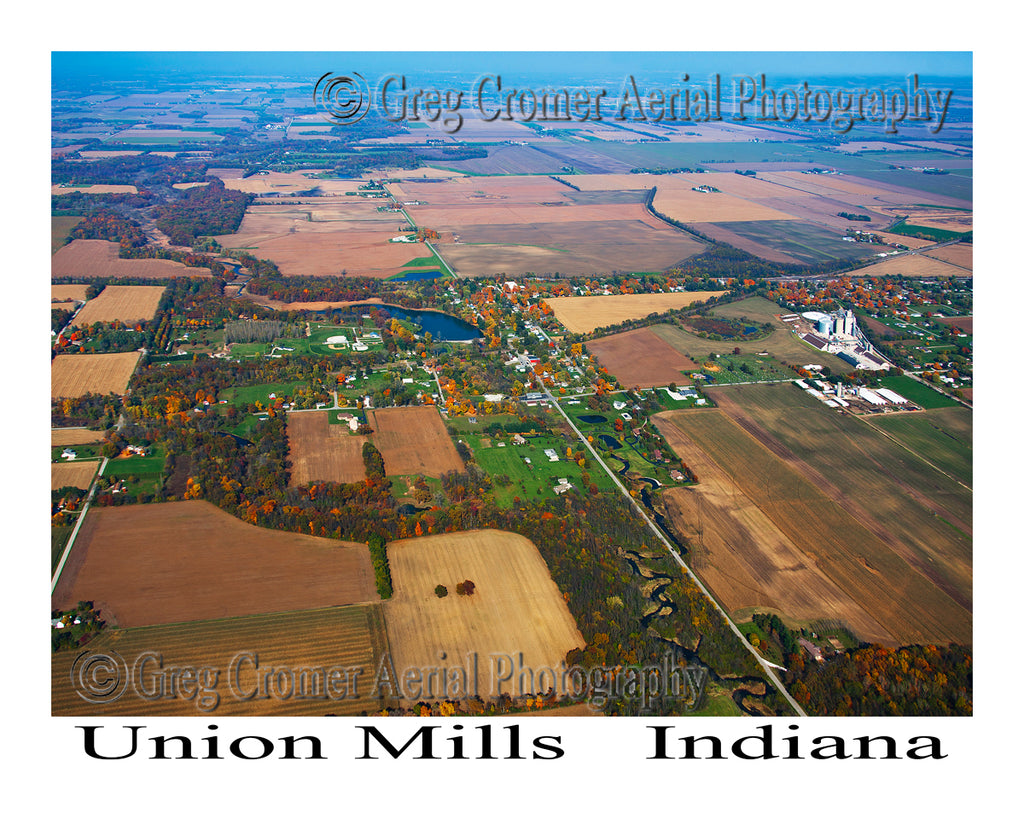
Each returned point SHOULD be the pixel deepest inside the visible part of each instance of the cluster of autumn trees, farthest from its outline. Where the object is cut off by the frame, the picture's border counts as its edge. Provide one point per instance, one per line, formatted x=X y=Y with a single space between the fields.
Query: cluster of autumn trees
x=110 y=226
x=874 y=680
x=208 y=210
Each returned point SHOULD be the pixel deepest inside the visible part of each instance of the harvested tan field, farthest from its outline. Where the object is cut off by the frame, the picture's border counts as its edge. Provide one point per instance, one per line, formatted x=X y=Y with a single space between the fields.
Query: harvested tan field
x=67 y=292
x=583 y=314
x=186 y=561
x=72 y=376
x=476 y=190
x=357 y=253
x=826 y=184
x=73 y=473
x=320 y=451
x=328 y=659
x=413 y=441
x=125 y=303
x=570 y=248
x=516 y=607
x=961 y=254
x=60 y=190
x=107 y=154
x=639 y=358
x=686 y=205
x=96 y=257
x=961 y=223
x=72 y=436
x=317 y=238
x=291 y=182
x=907 y=241
x=184 y=186
x=912 y=265
x=614 y=181
x=307 y=305
x=454 y=217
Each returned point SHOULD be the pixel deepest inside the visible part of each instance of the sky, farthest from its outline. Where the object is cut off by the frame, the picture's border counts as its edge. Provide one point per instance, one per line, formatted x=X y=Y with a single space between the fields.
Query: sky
x=809 y=65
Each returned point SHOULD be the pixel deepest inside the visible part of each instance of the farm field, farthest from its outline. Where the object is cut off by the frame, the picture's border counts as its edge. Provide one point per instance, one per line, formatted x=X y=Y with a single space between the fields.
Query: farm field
x=344 y=637
x=320 y=451
x=922 y=516
x=72 y=376
x=783 y=345
x=67 y=292
x=789 y=241
x=185 y=561
x=60 y=230
x=639 y=358
x=829 y=525
x=943 y=436
x=73 y=473
x=326 y=237
x=516 y=606
x=572 y=248
x=738 y=549
x=921 y=394
x=584 y=314
x=96 y=257
x=413 y=441
x=71 y=436
x=961 y=254
x=125 y=303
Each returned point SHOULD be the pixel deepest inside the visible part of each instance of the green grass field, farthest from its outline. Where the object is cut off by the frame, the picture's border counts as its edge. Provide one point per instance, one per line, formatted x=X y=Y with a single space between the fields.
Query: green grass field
x=782 y=345
x=241 y=396
x=942 y=436
x=915 y=391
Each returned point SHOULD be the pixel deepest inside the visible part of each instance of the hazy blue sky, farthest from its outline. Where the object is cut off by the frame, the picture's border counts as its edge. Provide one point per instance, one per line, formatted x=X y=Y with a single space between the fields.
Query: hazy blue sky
x=135 y=65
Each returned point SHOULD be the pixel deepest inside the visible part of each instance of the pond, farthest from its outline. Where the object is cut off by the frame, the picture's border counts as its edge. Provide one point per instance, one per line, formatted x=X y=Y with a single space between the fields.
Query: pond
x=593 y=419
x=441 y=326
x=610 y=442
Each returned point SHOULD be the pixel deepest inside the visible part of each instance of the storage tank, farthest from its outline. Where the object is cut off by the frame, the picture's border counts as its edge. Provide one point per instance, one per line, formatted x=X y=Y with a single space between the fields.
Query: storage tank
x=825 y=326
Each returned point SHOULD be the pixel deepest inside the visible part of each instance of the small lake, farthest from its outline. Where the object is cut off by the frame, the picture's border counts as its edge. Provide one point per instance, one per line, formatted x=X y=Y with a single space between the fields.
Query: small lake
x=610 y=442
x=441 y=326
x=593 y=419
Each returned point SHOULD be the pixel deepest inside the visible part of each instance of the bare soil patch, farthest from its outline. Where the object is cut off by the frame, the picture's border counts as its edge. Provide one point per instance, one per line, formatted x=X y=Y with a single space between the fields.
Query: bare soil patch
x=320 y=451
x=179 y=562
x=413 y=441
x=639 y=358
x=96 y=257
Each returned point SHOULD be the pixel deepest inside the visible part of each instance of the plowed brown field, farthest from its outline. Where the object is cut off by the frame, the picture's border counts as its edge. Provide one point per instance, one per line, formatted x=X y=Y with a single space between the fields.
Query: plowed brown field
x=638 y=358
x=178 y=562
x=320 y=451
x=413 y=441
